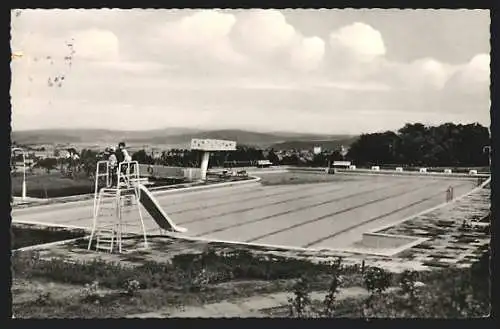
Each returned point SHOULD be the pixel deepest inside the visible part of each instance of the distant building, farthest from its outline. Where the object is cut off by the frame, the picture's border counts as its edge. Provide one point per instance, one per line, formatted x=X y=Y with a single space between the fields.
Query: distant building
x=63 y=154
x=264 y=163
x=343 y=151
x=40 y=154
x=155 y=154
x=317 y=150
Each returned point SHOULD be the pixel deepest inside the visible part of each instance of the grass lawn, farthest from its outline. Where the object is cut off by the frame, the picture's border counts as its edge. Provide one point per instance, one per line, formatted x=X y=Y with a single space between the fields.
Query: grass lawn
x=51 y=185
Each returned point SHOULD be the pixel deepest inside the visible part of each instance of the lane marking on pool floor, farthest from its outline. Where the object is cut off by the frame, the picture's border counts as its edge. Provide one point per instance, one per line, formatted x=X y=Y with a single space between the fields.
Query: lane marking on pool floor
x=256 y=220
x=375 y=218
x=323 y=217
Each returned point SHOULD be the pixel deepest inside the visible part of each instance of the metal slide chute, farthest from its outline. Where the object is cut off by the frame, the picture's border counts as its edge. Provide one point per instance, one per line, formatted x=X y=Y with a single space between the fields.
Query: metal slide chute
x=154 y=209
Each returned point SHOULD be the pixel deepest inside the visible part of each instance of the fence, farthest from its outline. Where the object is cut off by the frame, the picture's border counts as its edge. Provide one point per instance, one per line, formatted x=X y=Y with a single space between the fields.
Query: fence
x=158 y=171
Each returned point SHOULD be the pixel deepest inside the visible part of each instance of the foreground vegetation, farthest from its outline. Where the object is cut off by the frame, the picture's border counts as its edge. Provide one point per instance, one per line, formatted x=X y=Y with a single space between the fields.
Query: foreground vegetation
x=99 y=289
x=446 y=293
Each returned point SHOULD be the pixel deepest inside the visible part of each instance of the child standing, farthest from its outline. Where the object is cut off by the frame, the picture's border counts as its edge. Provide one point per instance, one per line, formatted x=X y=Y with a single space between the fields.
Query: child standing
x=113 y=165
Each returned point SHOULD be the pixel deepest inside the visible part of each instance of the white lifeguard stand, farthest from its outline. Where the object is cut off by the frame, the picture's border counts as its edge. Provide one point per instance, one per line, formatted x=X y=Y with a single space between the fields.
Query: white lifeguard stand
x=108 y=230
x=207 y=146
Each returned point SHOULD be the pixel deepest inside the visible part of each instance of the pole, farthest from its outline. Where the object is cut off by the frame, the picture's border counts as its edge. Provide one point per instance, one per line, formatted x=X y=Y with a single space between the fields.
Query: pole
x=204 y=164
x=488 y=149
x=23 y=196
x=23 y=192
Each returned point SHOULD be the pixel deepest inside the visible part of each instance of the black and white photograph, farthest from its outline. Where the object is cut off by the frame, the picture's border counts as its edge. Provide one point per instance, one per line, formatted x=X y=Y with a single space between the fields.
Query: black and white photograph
x=250 y=163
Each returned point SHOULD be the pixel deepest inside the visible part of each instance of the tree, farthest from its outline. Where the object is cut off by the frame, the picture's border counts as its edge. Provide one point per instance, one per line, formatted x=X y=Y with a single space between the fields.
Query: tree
x=47 y=163
x=88 y=159
x=330 y=298
x=377 y=281
x=416 y=144
x=300 y=305
x=272 y=157
x=142 y=157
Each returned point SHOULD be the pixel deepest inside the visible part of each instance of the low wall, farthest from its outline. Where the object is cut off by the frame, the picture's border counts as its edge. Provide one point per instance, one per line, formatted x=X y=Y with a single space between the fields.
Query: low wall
x=190 y=174
x=411 y=173
x=387 y=241
x=307 y=169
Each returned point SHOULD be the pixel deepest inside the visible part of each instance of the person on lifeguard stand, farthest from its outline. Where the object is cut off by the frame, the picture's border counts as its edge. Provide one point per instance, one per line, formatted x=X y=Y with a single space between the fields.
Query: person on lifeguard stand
x=122 y=155
x=113 y=165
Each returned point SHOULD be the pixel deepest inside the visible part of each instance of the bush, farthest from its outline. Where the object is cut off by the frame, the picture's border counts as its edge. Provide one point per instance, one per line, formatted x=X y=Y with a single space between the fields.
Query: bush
x=131 y=287
x=300 y=304
x=330 y=298
x=43 y=298
x=376 y=280
x=91 y=293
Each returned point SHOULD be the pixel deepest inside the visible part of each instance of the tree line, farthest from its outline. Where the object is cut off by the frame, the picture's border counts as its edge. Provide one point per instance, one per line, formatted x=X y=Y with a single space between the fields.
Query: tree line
x=419 y=145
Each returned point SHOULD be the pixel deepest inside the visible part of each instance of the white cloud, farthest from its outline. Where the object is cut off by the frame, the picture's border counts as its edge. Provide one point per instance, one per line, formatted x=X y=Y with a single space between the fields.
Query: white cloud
x=198 y=36
x=478 y=69
x=433 y=72
x=36 y=45
x=308 y=54
x=262 y=32
x=199 y=29
x=359 y=40
x=355 y=86
x=96 y=44
x=426 y=73
x=472 y=78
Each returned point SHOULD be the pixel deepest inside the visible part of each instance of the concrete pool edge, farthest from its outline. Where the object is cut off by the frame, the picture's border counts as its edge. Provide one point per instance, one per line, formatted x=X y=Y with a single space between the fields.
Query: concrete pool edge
x=89 y=200
x=378 y=238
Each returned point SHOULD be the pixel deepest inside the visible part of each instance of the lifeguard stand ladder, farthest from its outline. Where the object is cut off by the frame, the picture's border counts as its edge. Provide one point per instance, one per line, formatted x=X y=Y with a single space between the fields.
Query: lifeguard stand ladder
x=108 y=230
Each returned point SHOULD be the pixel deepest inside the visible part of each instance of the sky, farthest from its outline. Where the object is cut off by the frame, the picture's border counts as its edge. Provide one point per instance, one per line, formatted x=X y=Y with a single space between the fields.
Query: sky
x=320 y=71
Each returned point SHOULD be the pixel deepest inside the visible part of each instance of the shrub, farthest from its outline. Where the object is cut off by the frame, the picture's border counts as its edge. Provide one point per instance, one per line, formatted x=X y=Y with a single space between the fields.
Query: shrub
x=43 y=298
x=376 y=280
x=300 y=304
x=408 y=282
x=131 y=287
x=91 y=293
x=330 y=298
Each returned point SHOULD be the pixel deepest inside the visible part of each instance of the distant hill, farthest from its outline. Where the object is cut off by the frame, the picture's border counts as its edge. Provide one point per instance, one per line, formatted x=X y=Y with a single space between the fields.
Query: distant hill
x=242 y=137
x=330 y=144
x=62 y=136
x=173 y=137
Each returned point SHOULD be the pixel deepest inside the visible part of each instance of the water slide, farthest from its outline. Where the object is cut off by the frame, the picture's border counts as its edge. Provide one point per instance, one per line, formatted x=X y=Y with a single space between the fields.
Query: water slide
x=152 y=206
